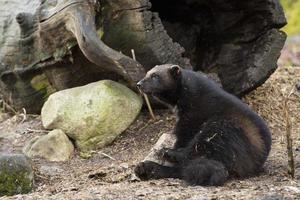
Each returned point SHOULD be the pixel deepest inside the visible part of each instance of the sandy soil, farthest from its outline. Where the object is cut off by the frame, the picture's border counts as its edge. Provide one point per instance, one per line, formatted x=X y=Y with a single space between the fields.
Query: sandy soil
x=103 y=177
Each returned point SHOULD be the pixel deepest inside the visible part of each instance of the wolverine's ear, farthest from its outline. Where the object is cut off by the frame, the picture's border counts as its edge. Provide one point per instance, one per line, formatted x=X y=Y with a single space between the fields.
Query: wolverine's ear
x=175 y=71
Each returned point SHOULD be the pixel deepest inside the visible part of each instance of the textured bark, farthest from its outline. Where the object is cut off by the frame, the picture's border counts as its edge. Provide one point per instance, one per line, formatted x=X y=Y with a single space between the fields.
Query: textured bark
x=132 y=25
x=238 y=40
x=46 y=40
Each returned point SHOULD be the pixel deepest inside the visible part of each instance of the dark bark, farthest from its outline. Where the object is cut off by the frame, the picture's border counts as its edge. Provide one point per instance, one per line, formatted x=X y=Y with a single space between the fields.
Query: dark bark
x=238 y=40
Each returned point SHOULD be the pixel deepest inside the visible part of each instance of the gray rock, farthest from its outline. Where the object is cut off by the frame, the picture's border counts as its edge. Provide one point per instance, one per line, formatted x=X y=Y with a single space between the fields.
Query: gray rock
x=92 y=115
x=167 y=140
x=55 y=146
x=16 y=174
x=51 y=170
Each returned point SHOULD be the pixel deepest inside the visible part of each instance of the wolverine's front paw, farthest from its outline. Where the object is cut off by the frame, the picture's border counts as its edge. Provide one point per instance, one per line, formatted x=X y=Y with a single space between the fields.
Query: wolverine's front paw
x=147 y=170
x=171 y=155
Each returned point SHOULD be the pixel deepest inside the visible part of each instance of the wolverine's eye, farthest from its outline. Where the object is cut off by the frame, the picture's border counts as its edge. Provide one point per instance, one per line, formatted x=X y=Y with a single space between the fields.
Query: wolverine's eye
x=154 y=76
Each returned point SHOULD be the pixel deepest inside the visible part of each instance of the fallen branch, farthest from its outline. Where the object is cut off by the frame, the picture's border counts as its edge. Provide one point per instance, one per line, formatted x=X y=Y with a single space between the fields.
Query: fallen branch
x=144 y=95
x=289 y=139
x=37 y=131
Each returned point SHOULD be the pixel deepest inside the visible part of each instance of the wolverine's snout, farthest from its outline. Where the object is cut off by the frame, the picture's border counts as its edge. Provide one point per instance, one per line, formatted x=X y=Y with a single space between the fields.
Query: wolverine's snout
x=143 y=86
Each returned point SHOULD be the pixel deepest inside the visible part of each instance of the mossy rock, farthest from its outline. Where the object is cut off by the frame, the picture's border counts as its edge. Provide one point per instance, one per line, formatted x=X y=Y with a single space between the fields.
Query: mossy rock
x=16 y=174
x=92 y=115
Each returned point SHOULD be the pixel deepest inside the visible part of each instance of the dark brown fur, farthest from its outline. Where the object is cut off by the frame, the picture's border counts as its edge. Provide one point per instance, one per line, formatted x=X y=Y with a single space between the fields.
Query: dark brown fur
x=217 y=135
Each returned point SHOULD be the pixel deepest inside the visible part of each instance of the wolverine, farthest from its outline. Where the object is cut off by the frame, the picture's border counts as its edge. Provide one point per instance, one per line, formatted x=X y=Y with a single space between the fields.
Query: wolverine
x=217 y=135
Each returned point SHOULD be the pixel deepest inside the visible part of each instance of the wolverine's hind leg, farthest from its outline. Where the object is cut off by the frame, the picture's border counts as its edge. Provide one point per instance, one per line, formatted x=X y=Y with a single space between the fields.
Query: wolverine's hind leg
x=205 y=172
x=225 y=142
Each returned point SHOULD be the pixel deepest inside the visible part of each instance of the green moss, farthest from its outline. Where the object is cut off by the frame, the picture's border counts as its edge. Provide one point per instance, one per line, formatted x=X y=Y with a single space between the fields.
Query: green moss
x=292 y=11
x=15 y=176
x=100 y=32
x=41 y=83
x=14 y=183
x=85 y=154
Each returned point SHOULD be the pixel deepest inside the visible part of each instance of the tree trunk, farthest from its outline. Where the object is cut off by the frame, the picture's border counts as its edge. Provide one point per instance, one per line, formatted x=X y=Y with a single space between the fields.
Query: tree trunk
x=238 y=40
x=61 y=44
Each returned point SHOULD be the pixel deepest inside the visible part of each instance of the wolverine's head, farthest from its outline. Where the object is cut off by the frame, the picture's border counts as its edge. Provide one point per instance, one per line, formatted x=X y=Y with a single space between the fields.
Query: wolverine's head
x=161 y=81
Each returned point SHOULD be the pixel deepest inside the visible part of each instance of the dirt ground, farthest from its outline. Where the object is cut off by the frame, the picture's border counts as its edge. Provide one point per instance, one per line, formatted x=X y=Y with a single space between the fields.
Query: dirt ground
x=110 y=177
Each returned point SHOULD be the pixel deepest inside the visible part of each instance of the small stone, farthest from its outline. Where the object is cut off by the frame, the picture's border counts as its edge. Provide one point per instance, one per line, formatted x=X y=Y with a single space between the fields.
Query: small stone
x=16 y=174
x=292 y=189
x=124 y=165
x=51 y=170
x=55 y=146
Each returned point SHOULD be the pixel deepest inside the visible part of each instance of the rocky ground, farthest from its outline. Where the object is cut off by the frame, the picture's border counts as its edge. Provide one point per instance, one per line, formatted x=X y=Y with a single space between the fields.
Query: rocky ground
x=108 y=173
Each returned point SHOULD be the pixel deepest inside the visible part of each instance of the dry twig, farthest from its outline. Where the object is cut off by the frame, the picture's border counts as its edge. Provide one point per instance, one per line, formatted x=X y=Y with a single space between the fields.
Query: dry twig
x=24 y=115
x=108 y=156
x=145 y=96
x=37 y=131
